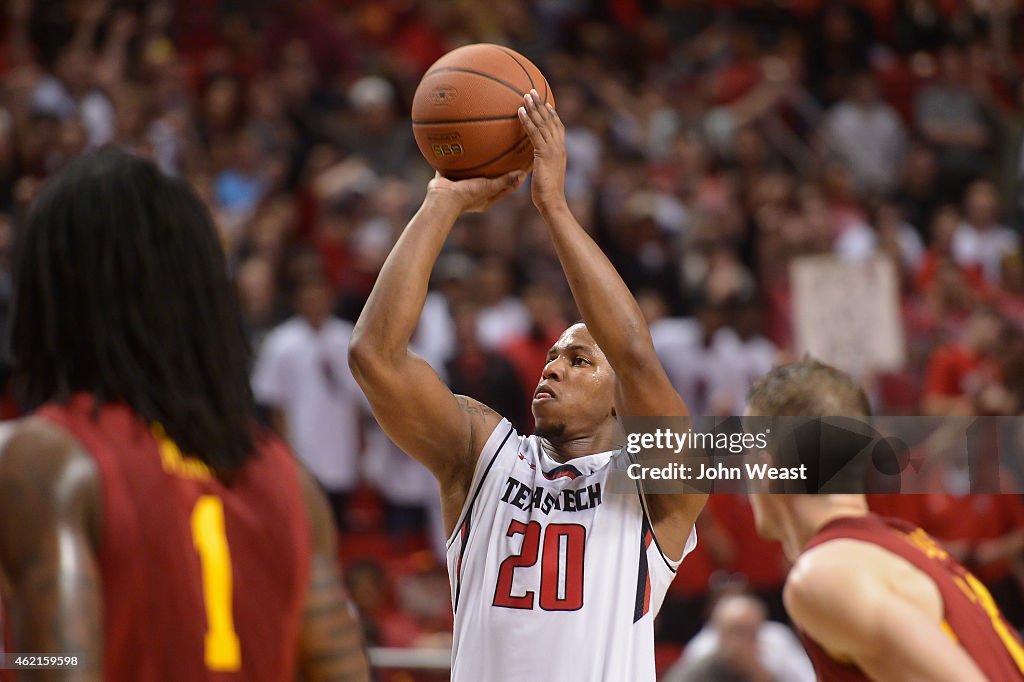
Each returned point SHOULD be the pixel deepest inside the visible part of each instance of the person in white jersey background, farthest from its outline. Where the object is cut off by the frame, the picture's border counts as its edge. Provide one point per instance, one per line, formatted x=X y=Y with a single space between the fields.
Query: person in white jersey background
x=552 y=577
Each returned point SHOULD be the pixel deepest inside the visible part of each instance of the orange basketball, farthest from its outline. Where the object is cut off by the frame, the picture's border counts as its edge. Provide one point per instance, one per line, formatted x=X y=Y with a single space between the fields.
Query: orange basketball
x=464 y=111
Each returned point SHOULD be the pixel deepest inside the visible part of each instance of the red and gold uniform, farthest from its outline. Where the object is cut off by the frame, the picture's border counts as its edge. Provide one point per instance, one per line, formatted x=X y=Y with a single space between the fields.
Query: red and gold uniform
x=970 y=616
x=202 y=580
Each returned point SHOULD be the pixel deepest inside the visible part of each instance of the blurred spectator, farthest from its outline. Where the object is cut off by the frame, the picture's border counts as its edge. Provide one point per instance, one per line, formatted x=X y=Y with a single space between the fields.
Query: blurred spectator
x=919 y=194
x=484 y=374
x=302 y=374
x=376 y=133
x=528 y=352
x=940 y=260
x=738 y=643
x=257 y=295
x=867 y=134
x=920 y=25
x=502 y=317
x=951 y=117
x=981 y=239
x=963 y=378
x=410 y=495
x=838 y=40
x=1011 y=298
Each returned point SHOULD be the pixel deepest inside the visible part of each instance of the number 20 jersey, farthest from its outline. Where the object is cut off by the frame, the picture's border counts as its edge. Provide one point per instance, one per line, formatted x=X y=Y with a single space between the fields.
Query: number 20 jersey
x=553 y=577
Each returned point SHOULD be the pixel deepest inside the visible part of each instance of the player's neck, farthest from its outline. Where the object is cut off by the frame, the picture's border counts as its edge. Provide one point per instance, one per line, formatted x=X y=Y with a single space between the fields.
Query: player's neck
x=565 y=449
x=810 y=513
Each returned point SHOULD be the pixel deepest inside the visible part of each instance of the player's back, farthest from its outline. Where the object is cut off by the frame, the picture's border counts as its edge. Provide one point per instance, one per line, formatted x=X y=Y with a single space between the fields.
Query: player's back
x=970 y=616
x=202 y=580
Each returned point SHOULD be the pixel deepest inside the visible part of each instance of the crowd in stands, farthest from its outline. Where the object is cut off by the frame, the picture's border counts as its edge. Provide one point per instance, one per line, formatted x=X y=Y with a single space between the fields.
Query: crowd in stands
x=711 y=143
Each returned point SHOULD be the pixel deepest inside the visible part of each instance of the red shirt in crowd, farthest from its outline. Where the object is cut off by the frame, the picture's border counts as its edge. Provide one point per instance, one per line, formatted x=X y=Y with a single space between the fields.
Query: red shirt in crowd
x=973 y=519
x=954 y=370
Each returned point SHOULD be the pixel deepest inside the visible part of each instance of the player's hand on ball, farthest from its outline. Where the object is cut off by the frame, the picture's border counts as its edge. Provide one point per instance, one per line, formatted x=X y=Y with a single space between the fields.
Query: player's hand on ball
x=474 y=194
x=547 y=134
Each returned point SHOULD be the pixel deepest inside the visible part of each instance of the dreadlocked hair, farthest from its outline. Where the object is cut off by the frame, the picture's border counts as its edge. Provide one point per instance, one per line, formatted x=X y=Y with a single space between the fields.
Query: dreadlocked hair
x=121 y=291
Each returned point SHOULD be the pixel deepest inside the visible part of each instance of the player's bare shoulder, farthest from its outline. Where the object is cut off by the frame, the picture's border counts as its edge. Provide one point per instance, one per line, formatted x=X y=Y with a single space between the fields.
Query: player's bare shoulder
x=862 y=568
x=482 y=422
x=816 y=572
x=35 y=448
x=477 y=410
x=43 y=468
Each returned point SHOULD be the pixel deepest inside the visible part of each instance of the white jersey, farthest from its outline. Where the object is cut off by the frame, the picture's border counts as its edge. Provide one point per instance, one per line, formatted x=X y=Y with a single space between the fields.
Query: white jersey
x=553 y=578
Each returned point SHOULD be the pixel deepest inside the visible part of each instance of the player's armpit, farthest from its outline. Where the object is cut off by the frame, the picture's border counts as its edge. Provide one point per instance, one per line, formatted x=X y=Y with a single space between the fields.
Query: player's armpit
x=49 y=526
x=673 y=517
x=852 y=613
x=331 y=640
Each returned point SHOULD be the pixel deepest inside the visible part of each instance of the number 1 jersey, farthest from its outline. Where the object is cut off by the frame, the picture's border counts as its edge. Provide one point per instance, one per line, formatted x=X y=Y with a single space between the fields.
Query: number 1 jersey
x=201 y=580
x=553 y=577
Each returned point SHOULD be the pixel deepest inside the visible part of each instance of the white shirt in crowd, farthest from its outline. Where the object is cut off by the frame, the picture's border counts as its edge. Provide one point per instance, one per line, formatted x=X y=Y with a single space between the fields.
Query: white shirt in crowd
x=987 y=247
x=778 y=650
x=95 y=110
x=713 y=379
x=859 y=242
x=870 y=140
x=501 y=323
x=304 y=372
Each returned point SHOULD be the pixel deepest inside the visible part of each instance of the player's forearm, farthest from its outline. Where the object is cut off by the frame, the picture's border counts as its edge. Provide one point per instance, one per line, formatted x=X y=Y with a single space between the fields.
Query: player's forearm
x=609 y=309
x=393 y=310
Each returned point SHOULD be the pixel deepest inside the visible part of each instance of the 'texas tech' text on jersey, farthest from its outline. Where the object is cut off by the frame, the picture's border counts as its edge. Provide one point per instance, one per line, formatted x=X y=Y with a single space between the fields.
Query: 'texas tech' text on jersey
x=553 y=578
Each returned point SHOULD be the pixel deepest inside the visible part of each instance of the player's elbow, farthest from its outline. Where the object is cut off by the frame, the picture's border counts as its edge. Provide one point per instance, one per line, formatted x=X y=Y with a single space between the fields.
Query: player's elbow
x=368 y=359
x=361 y=356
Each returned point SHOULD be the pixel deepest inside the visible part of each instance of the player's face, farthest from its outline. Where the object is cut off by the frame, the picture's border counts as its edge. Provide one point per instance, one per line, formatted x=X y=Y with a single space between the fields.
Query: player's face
x=576 y=392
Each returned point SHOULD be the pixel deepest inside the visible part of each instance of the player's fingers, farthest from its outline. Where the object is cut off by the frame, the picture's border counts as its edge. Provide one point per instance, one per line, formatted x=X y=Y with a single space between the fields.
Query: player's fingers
x=533 y=113
x=503 y=184
x=544 y=113
x=500 y=188
x=554 y=116
x=532 y=131
x=512 y=180
x=501 y=195
x=547 y=112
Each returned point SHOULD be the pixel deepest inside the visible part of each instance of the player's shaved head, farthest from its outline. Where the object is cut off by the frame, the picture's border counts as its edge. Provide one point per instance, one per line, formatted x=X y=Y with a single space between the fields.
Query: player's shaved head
x=808 y=388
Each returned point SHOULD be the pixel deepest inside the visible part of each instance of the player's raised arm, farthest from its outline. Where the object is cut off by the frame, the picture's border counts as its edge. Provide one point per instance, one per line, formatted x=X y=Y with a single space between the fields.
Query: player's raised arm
x=609 y=310
x=412 y=405
x=853 y=613
x=48 y=558
x=331 y=643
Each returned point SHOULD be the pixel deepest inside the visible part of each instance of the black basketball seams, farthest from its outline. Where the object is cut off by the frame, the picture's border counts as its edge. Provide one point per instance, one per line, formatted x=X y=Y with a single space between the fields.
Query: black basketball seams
x=459 y=69
x=482 y=119
x=516 y=60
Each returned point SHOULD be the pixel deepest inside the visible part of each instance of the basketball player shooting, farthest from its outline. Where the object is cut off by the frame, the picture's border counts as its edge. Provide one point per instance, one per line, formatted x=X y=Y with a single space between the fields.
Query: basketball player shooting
x=872 y=598
x=148 y=528
x=551 y=578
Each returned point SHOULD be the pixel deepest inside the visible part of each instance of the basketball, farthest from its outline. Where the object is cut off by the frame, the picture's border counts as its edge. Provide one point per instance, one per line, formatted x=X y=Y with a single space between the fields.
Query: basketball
x=464 y=111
